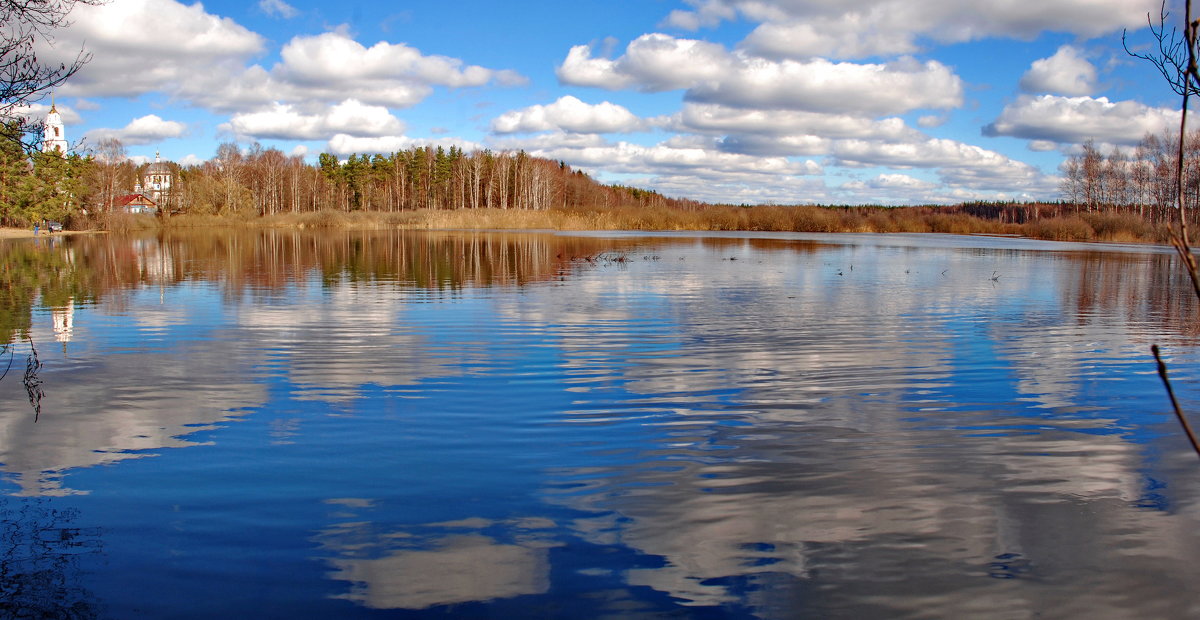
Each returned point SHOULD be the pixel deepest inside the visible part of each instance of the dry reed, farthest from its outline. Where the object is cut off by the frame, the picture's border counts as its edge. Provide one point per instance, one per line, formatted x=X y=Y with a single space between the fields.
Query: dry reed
x=1115 y=227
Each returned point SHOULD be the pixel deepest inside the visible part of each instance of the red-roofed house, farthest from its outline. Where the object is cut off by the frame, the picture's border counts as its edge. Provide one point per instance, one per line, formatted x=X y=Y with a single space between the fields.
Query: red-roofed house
x=135 y=203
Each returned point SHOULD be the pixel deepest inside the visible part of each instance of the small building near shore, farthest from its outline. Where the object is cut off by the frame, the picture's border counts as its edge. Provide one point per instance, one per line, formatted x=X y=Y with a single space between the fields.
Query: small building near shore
x=135 y=203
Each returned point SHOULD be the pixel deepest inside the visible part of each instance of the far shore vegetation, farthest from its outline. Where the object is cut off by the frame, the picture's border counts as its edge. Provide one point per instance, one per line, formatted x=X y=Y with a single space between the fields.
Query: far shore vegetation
x=1112 y=196
x=1058 y=222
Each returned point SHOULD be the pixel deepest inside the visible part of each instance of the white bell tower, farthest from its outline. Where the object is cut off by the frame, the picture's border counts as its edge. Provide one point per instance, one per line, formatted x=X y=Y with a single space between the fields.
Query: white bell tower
x=55 y=136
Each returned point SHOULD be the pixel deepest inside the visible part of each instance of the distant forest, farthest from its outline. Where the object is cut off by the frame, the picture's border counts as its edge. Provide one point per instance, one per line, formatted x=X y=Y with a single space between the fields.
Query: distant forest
x=264 y=182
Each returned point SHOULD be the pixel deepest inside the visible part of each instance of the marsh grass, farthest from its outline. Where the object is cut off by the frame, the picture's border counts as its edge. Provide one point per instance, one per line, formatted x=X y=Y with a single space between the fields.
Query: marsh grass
x=207 y=221
x=1125 y=227
x=128 y=222
x=1068 y=228
x=1077 y=226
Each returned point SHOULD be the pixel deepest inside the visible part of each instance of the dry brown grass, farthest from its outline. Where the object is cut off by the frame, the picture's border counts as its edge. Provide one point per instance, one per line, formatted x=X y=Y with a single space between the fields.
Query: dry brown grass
x=1113 y=227
x=1068 y=228
x=1125 y=228
x=1107 y=227
x=128 y=222
x=190 y=220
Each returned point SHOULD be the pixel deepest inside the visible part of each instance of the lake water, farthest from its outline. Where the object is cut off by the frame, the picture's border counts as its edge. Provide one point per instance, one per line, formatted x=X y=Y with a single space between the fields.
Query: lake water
x=512 y=425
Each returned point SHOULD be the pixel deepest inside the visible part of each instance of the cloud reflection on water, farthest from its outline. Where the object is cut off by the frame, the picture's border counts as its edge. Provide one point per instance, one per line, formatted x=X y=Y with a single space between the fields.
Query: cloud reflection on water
x=871 y=437
x=407 y=570
x=869 y=427
x=101 y=409
x=143 y=373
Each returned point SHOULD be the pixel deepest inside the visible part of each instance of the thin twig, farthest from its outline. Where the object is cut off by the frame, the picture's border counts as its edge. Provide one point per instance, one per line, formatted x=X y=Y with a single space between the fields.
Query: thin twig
x=1171 y=60
x=1183 y=421
x=1182 y=243
x=8 y=348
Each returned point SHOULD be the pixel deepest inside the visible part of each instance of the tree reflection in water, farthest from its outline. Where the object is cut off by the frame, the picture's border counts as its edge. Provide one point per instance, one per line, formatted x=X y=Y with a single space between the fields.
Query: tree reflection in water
x=39 y=556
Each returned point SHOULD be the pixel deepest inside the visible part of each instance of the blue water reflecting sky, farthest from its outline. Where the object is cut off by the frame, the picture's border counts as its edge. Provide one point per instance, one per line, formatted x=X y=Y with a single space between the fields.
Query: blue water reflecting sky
x=582 y=426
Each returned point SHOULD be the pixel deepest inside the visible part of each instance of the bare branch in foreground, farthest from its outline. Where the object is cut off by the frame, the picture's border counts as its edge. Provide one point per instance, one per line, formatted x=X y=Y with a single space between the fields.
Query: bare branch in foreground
x=1183 y=421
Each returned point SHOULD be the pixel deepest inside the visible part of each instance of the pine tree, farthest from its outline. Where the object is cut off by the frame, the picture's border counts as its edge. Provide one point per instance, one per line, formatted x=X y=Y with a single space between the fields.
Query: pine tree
x=54 y=188
x=14 y=167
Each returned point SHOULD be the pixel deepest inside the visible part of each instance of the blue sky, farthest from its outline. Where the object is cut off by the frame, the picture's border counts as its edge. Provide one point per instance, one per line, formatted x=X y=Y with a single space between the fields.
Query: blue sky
x=782 y=101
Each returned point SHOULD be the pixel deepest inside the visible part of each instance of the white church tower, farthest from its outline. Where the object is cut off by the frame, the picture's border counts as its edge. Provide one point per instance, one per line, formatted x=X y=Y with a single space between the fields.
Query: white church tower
x=55 y=136
x=156 y=181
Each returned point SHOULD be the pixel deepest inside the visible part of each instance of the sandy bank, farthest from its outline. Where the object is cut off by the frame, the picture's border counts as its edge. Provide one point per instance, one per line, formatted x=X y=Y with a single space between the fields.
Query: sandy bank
x=23 y=233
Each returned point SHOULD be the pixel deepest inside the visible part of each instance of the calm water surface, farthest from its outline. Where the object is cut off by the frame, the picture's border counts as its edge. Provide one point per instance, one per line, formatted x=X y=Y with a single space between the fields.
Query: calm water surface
x=346 y=425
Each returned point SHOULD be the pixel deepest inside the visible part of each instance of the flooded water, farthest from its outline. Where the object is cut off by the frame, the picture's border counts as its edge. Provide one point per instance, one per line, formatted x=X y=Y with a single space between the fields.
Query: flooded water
x=343 y=425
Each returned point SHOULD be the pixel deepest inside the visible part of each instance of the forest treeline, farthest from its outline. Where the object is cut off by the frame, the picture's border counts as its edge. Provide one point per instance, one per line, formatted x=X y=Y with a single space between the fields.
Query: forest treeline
x=264 y=181
x=1115 y=196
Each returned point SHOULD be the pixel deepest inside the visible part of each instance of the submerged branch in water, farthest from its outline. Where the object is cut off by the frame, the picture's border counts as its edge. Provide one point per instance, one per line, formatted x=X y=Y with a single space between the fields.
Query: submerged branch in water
x=33 y=383
x=8 y=348
x=1183 y=421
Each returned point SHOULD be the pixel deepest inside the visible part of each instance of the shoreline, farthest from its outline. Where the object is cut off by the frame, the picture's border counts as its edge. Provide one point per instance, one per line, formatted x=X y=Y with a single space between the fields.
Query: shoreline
x=27 y=233
x=1077 y=227
x=20 y=233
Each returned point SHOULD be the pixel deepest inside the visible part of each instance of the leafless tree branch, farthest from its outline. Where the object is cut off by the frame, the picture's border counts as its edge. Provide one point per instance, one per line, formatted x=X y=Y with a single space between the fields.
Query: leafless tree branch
x=24 y=78
x=1177 y=63
x=1175 y=52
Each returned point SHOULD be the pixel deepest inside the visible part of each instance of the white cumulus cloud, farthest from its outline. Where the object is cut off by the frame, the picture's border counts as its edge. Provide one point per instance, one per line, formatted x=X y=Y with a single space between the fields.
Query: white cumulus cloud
x=139 y=46
x=958 y=164
x=343 y=144
x=707 y=13
x=931 y=152
x=1074 y=120
x=144 y=130
x=1067 y=72
x=778 y=146
x=337 y=59
x=143 y=46
x=709 y=73
x=332 y=67
x=837 y=29
x=568 y=114
x=652 y=62
x=823 y=86
x=286 y=122
x=38 y=111
x=899 y=181
x=711 y=118
x=666 y=158
x=893 y=189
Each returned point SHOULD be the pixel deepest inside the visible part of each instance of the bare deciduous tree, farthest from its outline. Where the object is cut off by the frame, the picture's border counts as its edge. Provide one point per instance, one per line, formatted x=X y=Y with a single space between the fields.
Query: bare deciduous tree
x=108 y=157
x=23 y=77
